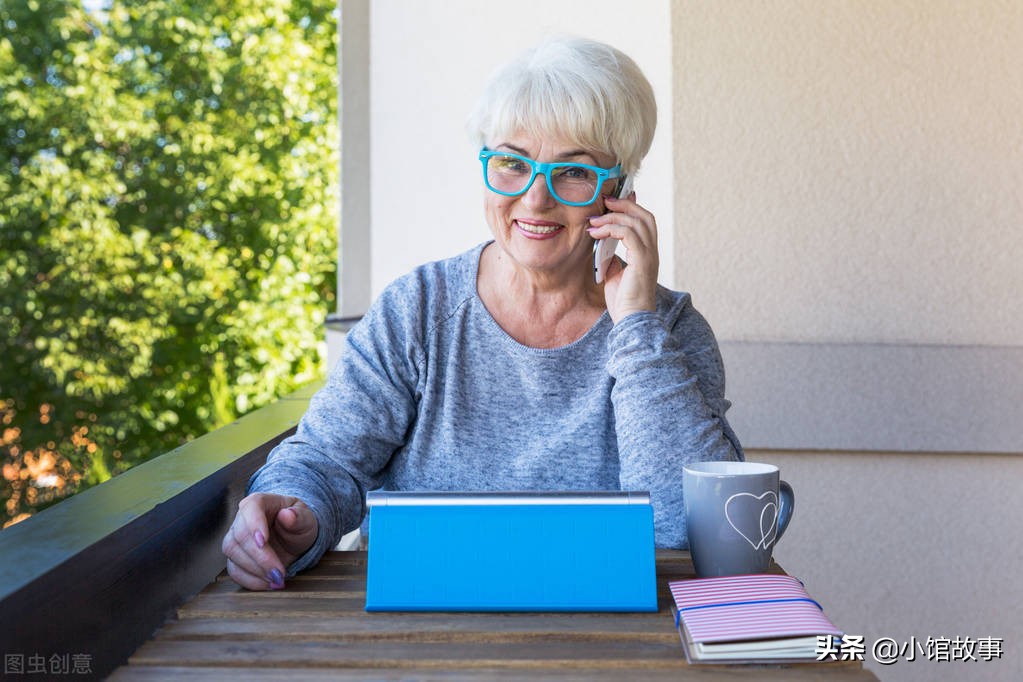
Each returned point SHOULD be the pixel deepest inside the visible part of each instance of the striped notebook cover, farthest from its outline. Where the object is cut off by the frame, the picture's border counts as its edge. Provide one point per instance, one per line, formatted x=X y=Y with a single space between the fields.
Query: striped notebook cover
x=747 y=608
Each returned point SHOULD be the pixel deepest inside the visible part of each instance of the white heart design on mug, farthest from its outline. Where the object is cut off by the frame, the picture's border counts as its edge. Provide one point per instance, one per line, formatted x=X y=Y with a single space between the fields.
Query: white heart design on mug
x=768 y=530
x=768 y=509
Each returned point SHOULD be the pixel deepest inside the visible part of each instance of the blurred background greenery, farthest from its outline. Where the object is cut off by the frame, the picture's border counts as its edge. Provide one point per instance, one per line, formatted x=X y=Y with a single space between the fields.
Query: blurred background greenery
x=168 y=175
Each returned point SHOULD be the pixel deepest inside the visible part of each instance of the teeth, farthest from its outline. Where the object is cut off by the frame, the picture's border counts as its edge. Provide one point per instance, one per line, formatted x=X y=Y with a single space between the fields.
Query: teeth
x=538 y=229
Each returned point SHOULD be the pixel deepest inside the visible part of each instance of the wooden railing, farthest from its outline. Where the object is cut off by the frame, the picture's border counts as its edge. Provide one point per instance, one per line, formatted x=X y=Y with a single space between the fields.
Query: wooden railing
x=91 y=578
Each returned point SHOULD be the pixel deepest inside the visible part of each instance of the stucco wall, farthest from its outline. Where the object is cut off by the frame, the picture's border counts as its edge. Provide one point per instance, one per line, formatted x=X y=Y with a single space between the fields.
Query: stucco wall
x=851 y=171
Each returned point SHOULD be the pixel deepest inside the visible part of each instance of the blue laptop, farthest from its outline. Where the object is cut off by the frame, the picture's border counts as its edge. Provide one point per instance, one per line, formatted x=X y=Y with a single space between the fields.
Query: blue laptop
x=511 y=552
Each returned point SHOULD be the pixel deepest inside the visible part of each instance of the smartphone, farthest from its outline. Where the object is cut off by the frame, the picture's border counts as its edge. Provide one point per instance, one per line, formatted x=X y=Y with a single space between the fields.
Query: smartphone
x=604 y=249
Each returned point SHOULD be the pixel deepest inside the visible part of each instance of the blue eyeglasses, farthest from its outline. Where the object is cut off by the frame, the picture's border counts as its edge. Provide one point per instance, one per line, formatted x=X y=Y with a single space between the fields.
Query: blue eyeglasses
x=575 y=184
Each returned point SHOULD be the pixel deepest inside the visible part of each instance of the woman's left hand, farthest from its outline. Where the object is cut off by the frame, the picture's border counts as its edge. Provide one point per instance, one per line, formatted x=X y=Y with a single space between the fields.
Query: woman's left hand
x=633 y=287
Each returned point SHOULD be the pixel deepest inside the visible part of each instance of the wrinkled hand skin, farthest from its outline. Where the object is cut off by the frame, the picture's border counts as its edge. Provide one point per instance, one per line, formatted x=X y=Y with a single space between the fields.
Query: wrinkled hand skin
x=268 y=534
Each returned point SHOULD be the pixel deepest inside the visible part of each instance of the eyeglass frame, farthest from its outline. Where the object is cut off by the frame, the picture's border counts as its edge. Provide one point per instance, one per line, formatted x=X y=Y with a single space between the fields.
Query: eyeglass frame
x=538 y=168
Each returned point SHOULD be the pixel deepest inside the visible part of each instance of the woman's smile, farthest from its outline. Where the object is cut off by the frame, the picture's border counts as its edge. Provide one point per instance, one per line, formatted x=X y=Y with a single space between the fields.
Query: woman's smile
x=538 y=229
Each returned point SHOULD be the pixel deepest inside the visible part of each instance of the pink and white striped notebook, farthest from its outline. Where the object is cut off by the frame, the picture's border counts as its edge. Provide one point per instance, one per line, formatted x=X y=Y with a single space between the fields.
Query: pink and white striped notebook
x=761 y=617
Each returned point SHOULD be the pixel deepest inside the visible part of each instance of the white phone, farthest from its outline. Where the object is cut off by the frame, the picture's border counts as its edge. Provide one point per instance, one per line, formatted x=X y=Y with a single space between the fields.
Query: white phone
x=604 y=249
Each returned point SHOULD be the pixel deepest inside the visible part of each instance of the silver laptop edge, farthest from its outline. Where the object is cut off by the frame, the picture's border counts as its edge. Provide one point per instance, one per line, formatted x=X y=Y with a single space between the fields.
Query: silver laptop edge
x=381 y=498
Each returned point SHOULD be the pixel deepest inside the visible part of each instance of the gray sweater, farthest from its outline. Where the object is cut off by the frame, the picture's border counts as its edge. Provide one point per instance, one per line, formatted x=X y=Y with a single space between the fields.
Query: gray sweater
x=431 y=394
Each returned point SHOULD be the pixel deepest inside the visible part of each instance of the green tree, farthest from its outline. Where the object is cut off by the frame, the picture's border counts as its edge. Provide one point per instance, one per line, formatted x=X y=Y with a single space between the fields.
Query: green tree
x=167 y=225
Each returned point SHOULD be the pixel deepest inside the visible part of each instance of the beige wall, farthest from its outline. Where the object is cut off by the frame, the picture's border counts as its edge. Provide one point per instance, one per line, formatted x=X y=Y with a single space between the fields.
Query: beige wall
x=851 y=170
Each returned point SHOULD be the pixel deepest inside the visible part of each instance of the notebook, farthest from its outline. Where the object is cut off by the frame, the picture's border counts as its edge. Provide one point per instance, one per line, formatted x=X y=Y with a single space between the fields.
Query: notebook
x=761 y=618
x=510 y=552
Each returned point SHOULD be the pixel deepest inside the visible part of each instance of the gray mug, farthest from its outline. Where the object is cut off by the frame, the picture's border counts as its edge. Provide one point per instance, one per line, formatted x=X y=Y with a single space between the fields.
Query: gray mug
x=735 y=513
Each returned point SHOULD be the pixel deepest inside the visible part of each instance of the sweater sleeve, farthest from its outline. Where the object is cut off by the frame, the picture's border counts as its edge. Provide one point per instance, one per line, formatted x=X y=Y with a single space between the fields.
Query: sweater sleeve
x=669 y=406
x=354 y=423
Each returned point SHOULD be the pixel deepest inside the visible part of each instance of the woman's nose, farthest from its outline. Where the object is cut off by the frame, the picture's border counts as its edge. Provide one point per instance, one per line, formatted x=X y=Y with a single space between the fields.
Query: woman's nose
x=538 y=193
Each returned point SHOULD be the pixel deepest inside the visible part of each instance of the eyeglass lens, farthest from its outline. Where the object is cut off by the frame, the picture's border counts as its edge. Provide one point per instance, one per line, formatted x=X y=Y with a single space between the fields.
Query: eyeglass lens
x=569 y=182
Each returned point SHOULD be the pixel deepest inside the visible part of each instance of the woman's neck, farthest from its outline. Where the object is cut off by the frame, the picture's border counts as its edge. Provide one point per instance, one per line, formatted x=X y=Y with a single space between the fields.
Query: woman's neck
x=538 y=309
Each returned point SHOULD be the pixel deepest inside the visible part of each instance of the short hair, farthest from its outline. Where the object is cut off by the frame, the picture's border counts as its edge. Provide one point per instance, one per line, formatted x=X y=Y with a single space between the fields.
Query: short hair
x=577 y=89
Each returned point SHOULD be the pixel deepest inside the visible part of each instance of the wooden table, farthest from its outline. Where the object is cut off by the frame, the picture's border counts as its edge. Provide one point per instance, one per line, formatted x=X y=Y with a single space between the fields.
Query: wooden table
x=317 y=629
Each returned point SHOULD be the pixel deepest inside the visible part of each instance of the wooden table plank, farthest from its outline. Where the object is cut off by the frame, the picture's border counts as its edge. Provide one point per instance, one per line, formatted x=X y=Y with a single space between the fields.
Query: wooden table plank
x=272 y=605
x=629 y=659
x=300 y=585
x=428 y=627
x=709 y=674
x=219 y=593
x=532 y=654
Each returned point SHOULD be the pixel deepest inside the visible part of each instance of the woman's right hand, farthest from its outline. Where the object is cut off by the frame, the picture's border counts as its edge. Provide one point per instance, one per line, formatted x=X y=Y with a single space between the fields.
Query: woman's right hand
x=267 y=535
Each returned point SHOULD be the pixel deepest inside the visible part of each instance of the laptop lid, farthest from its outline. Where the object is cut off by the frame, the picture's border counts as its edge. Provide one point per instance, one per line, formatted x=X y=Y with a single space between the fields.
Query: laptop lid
x=510 y=551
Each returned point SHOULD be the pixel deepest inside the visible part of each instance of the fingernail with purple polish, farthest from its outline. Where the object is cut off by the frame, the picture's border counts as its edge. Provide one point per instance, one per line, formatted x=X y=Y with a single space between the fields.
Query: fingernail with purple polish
x=275 y=579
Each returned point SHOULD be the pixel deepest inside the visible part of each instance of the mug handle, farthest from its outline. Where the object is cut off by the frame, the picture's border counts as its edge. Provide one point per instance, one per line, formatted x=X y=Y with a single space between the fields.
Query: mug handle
x=788 y=506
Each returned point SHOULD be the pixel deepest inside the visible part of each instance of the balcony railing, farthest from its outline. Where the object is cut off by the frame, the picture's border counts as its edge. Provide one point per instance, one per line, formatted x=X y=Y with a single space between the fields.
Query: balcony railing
x=95 y=575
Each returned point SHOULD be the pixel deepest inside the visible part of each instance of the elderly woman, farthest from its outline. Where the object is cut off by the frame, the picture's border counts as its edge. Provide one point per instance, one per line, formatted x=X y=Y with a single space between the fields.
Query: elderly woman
x=510 y=367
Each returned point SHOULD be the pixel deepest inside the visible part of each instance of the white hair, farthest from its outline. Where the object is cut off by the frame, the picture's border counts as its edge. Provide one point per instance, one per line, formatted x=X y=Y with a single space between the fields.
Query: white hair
x=575 y=89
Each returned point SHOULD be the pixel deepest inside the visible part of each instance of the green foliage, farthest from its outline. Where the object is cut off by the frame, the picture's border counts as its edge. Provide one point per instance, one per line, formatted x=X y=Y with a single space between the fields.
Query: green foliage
x=167 y=225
